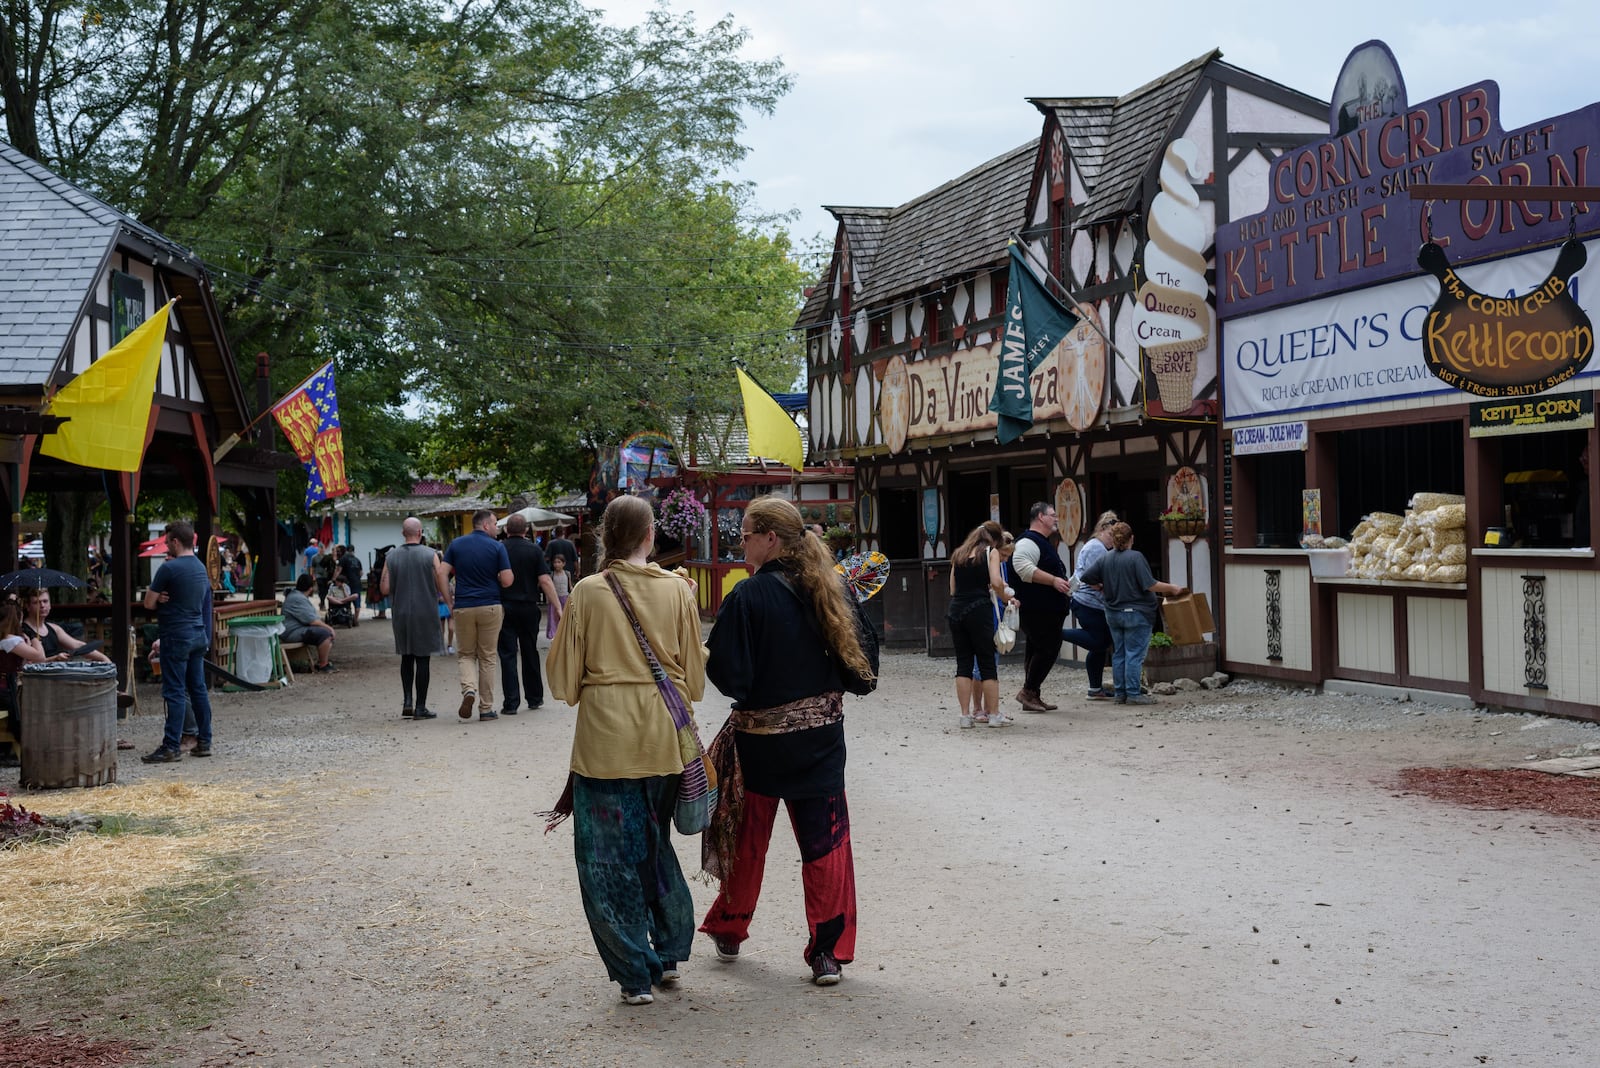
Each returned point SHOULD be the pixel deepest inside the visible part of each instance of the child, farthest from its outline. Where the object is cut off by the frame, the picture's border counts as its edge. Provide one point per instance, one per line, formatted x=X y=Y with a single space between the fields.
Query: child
x=563 y=584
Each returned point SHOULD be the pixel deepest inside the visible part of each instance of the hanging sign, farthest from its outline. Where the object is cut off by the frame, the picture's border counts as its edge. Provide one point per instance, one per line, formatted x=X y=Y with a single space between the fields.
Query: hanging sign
x=1570 y=411
x=1506 y=346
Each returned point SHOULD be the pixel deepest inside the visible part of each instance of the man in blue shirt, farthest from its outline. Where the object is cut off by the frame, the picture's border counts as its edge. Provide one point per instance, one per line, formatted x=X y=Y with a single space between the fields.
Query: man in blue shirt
x=180 y=595
x=482 y=569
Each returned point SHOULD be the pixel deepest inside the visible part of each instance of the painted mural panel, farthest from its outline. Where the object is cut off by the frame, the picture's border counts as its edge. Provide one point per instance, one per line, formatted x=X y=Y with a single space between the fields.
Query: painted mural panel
x=1174 y=321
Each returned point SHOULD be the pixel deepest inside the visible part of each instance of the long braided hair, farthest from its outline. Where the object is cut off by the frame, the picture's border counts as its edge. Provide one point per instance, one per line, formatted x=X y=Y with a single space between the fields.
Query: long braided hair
x=806 y=559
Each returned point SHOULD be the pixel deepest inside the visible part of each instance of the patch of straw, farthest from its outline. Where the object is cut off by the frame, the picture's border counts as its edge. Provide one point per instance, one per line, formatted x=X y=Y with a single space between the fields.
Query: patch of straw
x=63 y=898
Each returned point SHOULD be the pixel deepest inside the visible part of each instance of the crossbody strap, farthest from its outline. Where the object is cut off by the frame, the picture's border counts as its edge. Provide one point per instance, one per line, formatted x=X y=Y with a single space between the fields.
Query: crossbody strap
x=669 y=692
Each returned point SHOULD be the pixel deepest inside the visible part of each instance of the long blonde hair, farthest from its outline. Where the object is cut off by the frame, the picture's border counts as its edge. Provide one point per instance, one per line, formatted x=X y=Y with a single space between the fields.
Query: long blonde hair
x=807 y=560
x=988 y=534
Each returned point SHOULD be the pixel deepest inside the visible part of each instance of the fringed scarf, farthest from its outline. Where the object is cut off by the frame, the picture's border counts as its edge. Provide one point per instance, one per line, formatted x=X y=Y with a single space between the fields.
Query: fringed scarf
x=720 y=841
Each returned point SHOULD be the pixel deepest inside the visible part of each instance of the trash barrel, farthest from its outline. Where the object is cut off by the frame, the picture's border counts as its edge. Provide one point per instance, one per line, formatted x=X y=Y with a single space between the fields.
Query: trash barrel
x=256 y=647
x=69 y=720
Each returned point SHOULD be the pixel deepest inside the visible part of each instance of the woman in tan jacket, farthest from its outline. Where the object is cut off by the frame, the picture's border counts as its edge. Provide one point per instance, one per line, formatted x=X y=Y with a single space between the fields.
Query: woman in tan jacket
x=626 y=759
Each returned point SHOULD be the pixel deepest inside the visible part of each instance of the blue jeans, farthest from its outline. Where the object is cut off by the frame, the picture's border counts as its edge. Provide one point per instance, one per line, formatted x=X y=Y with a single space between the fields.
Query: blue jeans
x=1092 y=634
x=183 y=687
x=1130 y=640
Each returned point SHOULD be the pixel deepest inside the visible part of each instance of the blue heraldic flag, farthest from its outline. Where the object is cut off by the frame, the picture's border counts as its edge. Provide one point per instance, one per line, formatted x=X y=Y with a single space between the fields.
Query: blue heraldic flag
x=309 y=418
x=1036 y=322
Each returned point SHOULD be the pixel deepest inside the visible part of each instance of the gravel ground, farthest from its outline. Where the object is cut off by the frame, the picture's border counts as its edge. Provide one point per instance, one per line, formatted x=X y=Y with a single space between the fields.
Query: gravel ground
x=1227 y=877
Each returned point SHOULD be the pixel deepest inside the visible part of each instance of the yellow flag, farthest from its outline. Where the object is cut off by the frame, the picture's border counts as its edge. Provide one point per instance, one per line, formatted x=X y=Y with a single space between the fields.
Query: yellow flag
x=772 y=433
x=109 y=405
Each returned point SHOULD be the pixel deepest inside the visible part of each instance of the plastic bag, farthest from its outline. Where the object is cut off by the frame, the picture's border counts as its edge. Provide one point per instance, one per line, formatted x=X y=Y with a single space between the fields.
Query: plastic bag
x=1005 y=635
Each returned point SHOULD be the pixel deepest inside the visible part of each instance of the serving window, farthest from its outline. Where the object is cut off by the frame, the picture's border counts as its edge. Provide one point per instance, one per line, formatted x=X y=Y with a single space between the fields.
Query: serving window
x=1536 y=486
x=1381 y=468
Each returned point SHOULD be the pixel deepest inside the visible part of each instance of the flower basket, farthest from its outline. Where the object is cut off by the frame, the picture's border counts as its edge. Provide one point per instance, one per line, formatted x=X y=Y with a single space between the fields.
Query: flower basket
x=682 y=516
x=1184 y=526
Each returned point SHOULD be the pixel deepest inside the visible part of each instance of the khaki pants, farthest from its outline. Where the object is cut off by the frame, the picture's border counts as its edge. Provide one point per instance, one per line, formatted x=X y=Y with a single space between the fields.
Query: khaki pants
x=477 y=641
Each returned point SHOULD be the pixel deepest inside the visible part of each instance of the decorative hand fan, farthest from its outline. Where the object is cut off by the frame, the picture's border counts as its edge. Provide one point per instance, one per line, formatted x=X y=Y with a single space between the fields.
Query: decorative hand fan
x=865 y=572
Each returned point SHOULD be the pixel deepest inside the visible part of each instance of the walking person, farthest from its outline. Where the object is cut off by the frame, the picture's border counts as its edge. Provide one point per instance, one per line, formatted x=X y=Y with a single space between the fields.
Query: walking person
x=1130 y=593
x=781 y=643
x=180 y=596
x=975 y=584
x=519 y=635
x=1042 y=597
x=626 y=760
x=413 y=583
x=1089 y=609
x=481 y=569
x=561 y=579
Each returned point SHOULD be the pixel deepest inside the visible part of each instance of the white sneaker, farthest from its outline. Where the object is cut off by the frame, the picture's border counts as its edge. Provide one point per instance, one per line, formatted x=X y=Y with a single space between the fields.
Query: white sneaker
x=1000 y=719
x=449 y=650
x=965 y=722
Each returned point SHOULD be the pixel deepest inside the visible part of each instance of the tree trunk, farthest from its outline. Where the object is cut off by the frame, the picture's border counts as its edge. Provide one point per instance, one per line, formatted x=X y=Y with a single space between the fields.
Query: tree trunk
x=66 y=538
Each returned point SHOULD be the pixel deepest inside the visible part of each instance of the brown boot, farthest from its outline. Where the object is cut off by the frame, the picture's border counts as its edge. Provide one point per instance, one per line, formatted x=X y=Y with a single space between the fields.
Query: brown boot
x=1048 y=707
x=1030 y=701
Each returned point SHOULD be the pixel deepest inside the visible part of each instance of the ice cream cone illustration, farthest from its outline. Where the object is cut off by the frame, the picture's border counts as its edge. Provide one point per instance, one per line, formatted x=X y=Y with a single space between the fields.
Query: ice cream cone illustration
x=1173 y=320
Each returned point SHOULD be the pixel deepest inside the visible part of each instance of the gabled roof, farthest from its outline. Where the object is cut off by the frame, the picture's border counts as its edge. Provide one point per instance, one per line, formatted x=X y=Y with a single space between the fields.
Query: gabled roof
x=1140 y=126
x=959 y=227
x=863 y=232
x=54 y=240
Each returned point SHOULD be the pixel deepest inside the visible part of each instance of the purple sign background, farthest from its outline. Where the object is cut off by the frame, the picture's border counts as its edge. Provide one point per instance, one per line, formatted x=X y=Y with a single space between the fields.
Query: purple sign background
x=1339 y=214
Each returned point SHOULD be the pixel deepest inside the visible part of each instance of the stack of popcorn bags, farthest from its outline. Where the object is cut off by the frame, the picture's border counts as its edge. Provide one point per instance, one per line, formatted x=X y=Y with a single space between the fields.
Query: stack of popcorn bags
x=1427 y=544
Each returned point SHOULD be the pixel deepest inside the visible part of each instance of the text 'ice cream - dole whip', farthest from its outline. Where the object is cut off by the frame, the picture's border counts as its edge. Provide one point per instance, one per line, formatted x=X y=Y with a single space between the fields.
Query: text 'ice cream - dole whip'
x=1173 y=319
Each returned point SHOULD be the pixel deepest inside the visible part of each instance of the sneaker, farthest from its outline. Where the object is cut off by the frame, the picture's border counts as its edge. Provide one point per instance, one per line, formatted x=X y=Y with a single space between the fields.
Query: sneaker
x=424 y=713
x=162 y=756
x=1120 y=699
x=325 y=669
x=201 y=749
x=469 y=701
x=669 y=975
x=449 y=650
x=824 y=969
x=637 y=997
x=488 y=714
x=964 y=722
x=1100 y=695
x=1000 y=719
x=1140 y=699
x=727 y=951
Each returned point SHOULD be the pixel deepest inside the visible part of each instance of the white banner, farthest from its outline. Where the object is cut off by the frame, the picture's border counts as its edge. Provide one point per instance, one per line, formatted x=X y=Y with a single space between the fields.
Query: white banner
x=1269 y=437
x=1366 y=345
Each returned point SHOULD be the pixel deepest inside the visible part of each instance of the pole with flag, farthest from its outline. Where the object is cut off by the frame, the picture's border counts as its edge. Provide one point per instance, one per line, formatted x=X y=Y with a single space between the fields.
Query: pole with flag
x=772 y=433
x=1036 y=322
x=309 y=418
x=108 y=406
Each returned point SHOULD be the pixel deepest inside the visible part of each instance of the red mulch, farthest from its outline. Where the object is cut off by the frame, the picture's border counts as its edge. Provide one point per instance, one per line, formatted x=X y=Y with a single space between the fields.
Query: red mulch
x=1504 y=788
x=40 y=1047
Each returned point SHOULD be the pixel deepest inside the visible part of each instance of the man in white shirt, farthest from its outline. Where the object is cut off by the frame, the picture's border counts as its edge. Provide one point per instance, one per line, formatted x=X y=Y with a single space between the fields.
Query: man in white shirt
x=1043 y=591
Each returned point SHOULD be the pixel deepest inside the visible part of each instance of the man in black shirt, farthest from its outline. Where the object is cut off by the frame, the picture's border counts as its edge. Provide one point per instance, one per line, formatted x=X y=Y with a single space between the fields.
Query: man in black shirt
x=520 y=633
x=350 y=569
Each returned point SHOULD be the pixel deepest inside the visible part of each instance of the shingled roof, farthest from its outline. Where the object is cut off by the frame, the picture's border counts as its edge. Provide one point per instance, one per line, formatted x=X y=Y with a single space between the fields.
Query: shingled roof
x=961 y=226
x=54 y=240
x=1140 y=124
x=863 y=228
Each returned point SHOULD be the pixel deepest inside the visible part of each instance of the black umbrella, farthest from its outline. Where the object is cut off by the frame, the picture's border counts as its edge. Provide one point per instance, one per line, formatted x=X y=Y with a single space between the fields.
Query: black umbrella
x=39 y=578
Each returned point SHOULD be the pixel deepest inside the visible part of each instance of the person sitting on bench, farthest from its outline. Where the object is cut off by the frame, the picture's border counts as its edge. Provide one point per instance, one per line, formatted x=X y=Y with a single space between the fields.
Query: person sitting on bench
x=300 y=622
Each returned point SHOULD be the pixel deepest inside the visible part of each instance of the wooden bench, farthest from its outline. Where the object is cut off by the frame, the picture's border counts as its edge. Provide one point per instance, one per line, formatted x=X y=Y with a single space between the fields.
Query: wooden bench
x=307 y=654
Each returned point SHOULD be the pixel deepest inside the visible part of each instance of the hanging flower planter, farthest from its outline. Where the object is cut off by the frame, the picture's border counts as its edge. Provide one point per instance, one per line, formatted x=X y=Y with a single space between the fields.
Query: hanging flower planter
x=1184 y=526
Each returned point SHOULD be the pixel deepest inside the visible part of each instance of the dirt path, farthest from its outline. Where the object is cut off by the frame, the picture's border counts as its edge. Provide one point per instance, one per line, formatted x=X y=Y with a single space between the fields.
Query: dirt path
x=1230 y=878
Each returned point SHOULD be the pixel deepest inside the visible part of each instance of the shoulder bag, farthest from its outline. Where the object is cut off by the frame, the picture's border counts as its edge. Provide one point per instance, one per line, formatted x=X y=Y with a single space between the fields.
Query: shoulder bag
x=697 y=788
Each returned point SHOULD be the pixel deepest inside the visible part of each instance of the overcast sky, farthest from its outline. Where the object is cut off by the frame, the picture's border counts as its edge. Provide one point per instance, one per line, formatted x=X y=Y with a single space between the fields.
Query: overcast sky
x=893 y=98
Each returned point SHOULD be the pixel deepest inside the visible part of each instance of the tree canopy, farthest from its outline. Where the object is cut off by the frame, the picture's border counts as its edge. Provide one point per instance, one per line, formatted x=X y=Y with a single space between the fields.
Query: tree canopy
x=507 y=221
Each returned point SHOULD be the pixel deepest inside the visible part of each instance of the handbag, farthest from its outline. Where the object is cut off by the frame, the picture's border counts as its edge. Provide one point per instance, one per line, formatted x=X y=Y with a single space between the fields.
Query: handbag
x=697 y=787
x=1005 y=630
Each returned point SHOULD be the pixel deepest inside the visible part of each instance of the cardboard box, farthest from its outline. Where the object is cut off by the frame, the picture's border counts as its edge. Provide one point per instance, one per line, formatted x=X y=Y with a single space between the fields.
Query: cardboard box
x=1187 y=619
